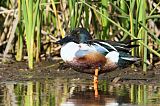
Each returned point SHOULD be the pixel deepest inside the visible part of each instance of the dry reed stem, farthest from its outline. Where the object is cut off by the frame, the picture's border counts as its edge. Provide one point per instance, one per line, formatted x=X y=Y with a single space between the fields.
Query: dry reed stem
x=6 y=11
x=12 y=35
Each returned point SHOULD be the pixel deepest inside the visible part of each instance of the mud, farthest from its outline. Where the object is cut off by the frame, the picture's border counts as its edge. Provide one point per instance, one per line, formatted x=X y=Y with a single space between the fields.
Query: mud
x=51 y=69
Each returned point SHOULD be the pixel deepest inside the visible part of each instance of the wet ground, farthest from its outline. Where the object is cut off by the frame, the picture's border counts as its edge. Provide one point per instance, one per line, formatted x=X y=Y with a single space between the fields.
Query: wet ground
x=18 y=71
x=54 y=84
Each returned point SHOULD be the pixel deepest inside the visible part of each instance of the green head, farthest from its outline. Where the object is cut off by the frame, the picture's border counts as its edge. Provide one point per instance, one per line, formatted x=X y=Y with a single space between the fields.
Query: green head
x=78 y=35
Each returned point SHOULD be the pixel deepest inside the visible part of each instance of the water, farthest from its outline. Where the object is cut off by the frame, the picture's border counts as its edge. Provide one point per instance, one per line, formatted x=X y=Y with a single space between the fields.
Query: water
x=76 y=92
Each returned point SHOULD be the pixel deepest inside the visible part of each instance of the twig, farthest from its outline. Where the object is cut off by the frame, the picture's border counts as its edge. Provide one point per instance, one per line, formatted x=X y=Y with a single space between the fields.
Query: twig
x=7 y=56
x=155 y=5
x=6 y=11
x=4 y=42
x=15 y=22
x=7 y=22
x=52 y=37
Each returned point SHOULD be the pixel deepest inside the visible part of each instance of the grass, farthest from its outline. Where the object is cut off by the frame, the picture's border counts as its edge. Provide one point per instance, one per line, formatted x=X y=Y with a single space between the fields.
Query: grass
x=30 y=12
x=106 y=19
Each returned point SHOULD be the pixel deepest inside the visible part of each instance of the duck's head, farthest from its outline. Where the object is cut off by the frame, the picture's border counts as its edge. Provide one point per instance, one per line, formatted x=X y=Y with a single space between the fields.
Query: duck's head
x=78 y=35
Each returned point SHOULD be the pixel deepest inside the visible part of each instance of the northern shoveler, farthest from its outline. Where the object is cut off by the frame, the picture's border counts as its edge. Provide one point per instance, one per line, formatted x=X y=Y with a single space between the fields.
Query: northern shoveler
x=94 y=56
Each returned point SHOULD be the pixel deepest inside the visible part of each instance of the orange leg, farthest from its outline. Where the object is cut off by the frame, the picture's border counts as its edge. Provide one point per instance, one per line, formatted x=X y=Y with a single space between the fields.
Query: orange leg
x=96 y=82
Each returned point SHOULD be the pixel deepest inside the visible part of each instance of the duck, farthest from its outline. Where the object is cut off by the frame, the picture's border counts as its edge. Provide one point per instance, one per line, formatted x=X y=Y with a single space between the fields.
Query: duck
x=94 y=56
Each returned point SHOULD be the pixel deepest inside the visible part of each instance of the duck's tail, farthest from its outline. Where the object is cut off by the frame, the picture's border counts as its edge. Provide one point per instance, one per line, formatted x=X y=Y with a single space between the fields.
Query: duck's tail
x=126 y=59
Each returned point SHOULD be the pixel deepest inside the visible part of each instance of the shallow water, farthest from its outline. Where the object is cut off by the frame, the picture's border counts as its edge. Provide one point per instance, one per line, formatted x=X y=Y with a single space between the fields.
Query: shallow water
x=76 y=92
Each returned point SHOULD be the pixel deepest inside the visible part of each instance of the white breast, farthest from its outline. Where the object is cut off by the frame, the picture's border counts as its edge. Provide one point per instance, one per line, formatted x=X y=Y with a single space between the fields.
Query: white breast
x=69 y=50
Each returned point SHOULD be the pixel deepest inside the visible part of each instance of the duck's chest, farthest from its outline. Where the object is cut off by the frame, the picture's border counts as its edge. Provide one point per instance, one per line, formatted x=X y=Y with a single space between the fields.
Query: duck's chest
x=72 y=50
x=68 y=51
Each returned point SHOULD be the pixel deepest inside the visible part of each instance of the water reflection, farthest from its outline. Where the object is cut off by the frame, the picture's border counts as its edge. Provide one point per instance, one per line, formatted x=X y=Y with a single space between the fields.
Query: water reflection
x=71 y=92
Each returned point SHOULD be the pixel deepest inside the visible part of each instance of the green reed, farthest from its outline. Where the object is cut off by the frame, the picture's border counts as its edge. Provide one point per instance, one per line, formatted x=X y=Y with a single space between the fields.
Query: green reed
x=72 y=12
x=30 y=14
x=58 y=22
x=105 y=23
x=19 y=55
x=141 y=13
x=132 y=28
x=123 y=8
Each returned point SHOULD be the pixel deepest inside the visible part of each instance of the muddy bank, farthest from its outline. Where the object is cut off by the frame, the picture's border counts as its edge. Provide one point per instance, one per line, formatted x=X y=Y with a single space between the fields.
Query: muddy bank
x=51 y=69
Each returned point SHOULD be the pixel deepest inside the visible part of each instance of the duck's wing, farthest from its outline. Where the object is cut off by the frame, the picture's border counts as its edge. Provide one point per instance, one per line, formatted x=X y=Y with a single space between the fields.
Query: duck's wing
x=82 y=53
x=103 y=47
x=89 y=48
x=104 y=44
x=124 y=46
x=113 y=46
x=84 y=49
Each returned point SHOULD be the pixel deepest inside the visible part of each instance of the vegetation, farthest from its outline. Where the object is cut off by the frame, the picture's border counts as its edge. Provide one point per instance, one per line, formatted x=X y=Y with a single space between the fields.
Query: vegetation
x=25 y=25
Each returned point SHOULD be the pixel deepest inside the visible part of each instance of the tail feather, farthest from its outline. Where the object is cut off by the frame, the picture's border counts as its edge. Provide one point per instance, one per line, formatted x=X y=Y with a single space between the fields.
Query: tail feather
x=131 y=58
x=132 y=46
x=128 y=45
x=126 y=61
x=130 y=41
